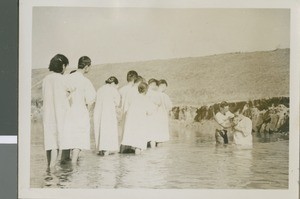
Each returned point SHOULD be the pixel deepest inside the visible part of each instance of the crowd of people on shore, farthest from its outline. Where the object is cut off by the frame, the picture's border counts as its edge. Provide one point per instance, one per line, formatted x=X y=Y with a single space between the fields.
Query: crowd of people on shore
x=68 y=99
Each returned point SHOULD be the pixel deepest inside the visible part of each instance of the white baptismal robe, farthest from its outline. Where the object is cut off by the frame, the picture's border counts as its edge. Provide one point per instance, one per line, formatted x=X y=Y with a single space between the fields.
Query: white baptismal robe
x=135 y=128
x=163 y=118
x=123 y=93
x=76 y=132
x=105 y=118
x=130 y=96
x=242 y=135
x=153 y=123
x=55 y=106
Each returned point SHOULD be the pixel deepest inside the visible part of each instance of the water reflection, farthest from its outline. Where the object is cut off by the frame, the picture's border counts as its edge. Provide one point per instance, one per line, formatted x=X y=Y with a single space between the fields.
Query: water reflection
x=50 y=179
x=107 y=164
x=189 y=160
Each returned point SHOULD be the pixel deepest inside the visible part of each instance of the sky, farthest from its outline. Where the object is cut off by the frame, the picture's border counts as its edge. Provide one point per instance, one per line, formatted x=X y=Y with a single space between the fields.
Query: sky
x=116 y=35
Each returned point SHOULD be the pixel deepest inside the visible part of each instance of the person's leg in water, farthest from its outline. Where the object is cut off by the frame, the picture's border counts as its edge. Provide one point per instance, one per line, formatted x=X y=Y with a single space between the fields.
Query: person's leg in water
x=122 y=148
x=225 y=136
x=52 y=157
x=158 y=144
x=152 y=144
x=127 y=149
x=219 y=137
x=105 y=153
x=137 y=151
x=66 y=155
x=75 y=155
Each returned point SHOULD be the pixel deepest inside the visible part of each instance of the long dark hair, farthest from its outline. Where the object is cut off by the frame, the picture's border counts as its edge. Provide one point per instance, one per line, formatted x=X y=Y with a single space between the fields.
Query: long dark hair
x=57 y=62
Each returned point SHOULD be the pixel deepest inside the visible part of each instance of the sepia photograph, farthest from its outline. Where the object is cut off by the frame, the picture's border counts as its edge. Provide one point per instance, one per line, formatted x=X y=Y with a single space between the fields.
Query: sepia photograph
x=157 y=98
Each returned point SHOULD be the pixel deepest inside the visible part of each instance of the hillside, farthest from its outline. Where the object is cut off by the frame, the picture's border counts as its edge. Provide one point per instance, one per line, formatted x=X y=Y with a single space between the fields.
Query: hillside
x=202 y=80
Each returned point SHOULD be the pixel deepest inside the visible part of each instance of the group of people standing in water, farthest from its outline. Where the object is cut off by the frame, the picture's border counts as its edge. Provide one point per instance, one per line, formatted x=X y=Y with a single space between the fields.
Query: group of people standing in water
x=144 y=110
x=126 y=119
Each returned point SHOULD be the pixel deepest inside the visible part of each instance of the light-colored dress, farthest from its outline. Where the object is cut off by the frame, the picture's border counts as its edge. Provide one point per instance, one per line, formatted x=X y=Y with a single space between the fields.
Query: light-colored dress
x=131 y=94
x=105 y=118
x=242 y=134
x=76 y=132
x=124 y=100
x=153 y=122
x=163 y=118
x=135 y=128
x=123 y=92
x=55 y=106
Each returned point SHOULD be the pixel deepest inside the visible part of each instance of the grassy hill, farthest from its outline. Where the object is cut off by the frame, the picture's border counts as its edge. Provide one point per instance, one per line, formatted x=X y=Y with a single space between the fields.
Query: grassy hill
x=202 y=80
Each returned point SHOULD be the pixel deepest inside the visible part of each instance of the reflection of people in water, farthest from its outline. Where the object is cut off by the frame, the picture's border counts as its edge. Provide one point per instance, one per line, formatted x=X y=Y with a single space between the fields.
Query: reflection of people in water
x=223 y=118
x=242 y=129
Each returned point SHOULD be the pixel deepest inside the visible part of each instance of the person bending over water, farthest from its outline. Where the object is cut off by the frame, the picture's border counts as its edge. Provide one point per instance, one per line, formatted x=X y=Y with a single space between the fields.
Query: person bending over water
x=130 y=96
x=242 y=130
x=135 y=129
x=76 y=134
x=55 y=106
x=105 y=117
x=223 y=118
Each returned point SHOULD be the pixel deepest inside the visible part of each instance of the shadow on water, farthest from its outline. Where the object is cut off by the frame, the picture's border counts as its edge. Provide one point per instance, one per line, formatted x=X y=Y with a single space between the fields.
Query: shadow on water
x=190 y=160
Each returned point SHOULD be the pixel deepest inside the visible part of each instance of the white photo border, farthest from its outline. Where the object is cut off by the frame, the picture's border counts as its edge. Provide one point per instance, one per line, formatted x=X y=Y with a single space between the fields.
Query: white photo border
x=25 y=63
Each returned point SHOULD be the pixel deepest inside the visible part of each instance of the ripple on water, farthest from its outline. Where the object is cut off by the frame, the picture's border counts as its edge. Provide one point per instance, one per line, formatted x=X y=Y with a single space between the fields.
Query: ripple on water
x=182 y=163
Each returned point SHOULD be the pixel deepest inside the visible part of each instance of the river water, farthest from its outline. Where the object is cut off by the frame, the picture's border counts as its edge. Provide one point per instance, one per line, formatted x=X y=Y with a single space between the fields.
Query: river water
x=185 y=162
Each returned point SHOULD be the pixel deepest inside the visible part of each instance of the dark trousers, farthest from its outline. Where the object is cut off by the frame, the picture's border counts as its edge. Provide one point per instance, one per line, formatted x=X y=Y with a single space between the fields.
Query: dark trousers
x=223 y=134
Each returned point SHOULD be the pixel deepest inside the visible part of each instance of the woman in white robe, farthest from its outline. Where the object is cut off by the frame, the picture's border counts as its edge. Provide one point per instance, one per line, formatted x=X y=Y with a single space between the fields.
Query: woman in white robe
x=55 y=106
x=153 y=122
x=135 y=129
x=131 y=77
x=242 y=130
x=163 y=113
x=76 y=134
x=132 y=93
x=105 y=117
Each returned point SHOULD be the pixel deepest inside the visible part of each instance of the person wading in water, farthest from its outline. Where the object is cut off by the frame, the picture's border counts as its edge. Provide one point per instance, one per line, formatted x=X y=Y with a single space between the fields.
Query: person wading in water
x=223 y=118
